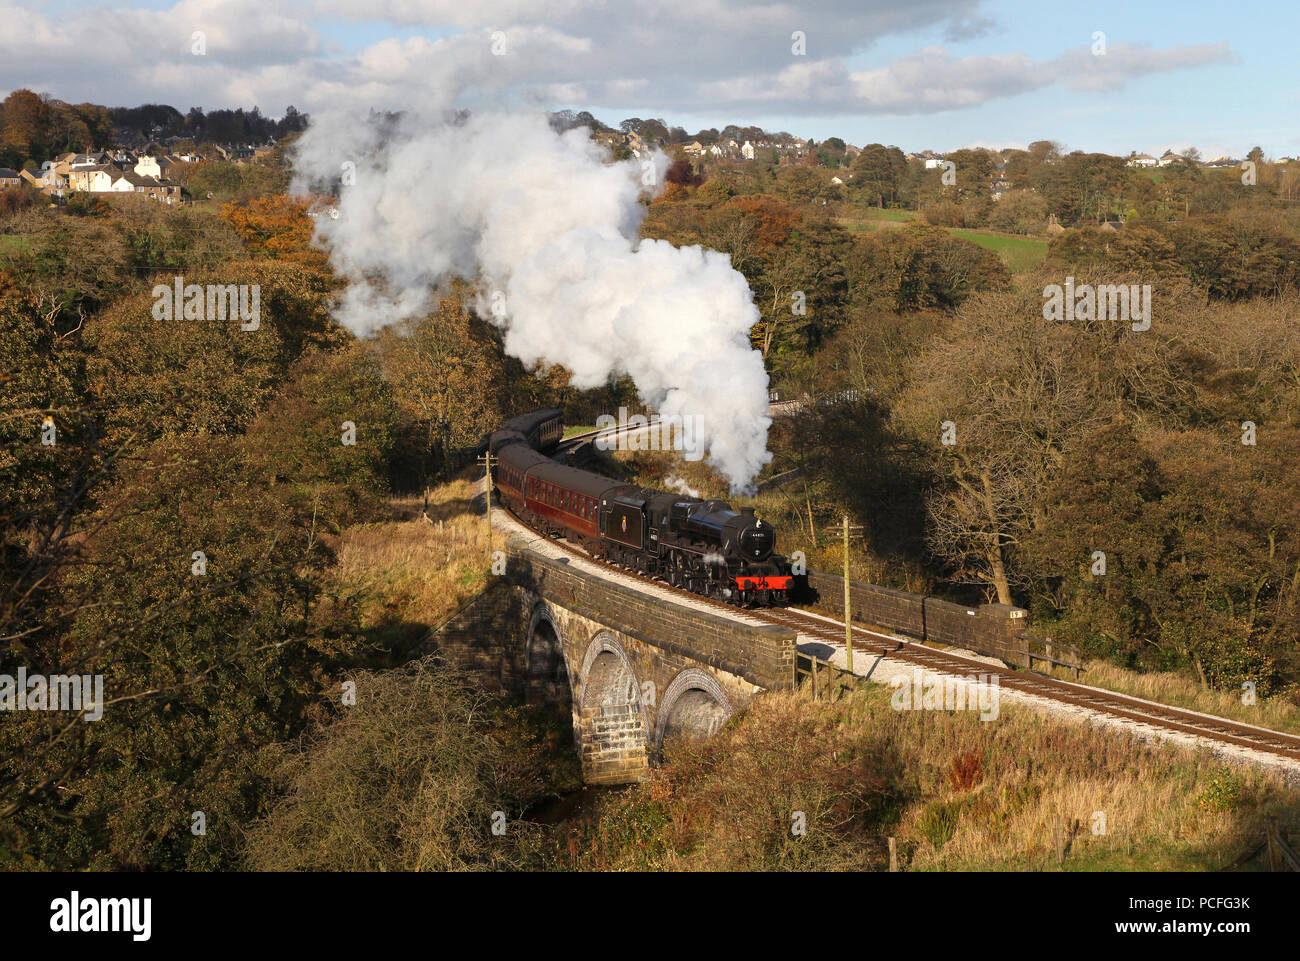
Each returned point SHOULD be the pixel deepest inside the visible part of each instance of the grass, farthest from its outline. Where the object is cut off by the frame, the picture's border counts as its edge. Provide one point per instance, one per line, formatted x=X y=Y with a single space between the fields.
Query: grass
x=14 y=241
x=1182 y=690
x=410 y=573
x=572 y=429
x=871 y=218
x=1020 y=254
x=956 y=793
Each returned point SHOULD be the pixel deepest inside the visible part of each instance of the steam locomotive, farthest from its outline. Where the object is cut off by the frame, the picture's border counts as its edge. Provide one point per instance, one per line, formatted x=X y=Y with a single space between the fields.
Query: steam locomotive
x=701 y=545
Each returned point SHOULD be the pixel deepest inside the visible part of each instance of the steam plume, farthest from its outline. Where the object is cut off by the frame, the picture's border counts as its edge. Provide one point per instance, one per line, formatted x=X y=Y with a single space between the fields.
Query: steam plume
x=548 y=229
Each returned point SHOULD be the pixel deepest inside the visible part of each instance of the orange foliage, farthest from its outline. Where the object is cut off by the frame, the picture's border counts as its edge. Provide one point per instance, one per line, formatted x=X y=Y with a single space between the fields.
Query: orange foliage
x=775 y=219
x=277 y=226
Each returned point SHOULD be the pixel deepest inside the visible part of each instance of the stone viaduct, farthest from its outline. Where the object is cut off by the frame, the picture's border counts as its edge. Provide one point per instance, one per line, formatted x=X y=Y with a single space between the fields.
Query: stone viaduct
x=635 y=666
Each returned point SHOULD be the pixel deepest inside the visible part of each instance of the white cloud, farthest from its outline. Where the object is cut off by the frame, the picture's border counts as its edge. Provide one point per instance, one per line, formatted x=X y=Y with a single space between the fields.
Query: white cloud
x=685 y=55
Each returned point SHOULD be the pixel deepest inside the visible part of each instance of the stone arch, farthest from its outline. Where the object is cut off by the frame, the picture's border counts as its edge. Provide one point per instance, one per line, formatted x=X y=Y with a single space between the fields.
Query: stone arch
x=693 y=706
x=611 y=713
x=546 y=665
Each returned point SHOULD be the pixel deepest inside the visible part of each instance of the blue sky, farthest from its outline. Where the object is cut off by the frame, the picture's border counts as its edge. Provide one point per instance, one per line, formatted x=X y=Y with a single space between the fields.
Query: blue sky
x=1218 y=77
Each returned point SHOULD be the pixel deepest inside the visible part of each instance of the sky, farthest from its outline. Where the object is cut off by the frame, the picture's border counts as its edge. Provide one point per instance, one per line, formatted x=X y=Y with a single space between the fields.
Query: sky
x=926 y=74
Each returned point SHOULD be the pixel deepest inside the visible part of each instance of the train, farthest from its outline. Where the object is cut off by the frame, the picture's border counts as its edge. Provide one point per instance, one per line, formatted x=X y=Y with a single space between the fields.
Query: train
x=699 y=544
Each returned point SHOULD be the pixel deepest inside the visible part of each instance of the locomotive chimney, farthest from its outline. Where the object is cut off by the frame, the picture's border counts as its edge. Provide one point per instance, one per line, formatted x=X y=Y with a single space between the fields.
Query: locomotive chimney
x=747 y=511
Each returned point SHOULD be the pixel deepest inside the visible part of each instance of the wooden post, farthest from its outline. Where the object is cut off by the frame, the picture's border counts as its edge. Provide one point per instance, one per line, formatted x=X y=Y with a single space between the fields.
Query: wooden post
x=848 y=599
x=848 y=613
x=1270 y=833
x=893 y=854
x=1060 y=841
x=813 y=661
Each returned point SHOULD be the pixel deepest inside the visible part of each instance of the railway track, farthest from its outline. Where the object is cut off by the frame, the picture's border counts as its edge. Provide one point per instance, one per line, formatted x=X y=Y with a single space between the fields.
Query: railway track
x=1124 y=706
x=1206 y=727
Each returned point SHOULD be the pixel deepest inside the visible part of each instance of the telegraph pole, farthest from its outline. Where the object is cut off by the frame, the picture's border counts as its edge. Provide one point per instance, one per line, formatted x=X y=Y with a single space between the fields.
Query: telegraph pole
x=486 y=461
x=844 y=530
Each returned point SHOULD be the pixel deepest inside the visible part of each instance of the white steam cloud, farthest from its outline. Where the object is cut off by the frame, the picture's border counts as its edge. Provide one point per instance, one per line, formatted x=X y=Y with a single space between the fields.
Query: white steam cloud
x=549 y=231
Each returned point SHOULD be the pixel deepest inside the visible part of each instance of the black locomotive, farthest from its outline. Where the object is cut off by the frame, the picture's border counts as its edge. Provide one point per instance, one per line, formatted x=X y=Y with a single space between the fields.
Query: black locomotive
x=701 y=545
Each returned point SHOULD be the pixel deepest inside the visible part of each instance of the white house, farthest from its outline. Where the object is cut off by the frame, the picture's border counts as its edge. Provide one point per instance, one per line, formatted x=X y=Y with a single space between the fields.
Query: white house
x=747 y=151
x=1142 y=160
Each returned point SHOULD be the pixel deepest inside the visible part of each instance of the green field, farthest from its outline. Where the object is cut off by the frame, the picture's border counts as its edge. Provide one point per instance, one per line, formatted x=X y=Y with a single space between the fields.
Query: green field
x=1018 y=253
x=871 y=218
x=12 y=242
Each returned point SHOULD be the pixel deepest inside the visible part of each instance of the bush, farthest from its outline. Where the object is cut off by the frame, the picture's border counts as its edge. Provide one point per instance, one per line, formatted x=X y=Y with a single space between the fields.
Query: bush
x=408 y=779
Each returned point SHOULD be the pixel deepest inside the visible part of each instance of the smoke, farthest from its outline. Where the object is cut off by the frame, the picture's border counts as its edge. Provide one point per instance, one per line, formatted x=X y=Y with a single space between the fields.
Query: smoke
x=674 y=483
x=548 y=229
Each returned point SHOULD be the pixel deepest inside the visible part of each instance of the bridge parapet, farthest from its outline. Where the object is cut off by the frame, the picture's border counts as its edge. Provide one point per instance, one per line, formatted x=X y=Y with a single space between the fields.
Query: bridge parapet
x=761 y=654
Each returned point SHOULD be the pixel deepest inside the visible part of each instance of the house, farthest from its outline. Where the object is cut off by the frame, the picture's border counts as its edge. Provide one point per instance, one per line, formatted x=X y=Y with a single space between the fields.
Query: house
x=1167 y=158
x=98 y=178
x=32 y=178
x=1000 y=187
x=53 y=177
x=9 y=178
x=747 y=151
x=167 y=191
x=695 y=149
x=1222 y=162
x=933 y=160
x=1054 y=226
x=153 y=166
x=1142 y=160
x=837 y=181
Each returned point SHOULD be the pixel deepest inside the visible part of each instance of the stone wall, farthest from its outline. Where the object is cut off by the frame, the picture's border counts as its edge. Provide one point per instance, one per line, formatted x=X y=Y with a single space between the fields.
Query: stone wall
x=992 y=629
x=485 y=640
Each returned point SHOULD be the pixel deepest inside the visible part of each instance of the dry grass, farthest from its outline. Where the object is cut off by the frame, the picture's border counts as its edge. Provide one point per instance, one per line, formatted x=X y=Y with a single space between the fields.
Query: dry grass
x=416 y=571
x=957 y=793
x=1182 y=690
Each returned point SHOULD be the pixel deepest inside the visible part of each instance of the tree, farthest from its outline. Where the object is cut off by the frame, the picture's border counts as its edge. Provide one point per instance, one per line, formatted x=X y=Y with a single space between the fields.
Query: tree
x=921 y=266
x=993 y=422
x=1019 y=212
x=447 y=372
x=24 y=131
x=878 y=173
